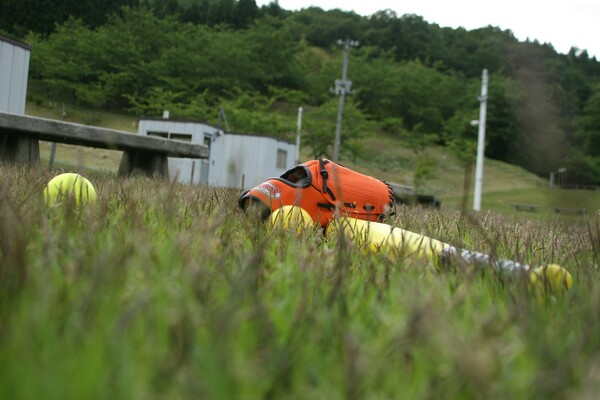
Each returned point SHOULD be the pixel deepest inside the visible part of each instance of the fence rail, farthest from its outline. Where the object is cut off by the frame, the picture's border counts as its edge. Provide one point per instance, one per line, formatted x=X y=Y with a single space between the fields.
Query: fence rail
x=20 y=136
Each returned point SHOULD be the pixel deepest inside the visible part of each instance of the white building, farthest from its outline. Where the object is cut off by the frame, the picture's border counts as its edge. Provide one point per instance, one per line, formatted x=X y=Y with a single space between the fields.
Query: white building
x=235 y=161
x=14 y=71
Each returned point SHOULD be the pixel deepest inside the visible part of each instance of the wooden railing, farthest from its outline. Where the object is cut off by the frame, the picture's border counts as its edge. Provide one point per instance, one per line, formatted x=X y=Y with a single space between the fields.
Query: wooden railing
x=20 y=136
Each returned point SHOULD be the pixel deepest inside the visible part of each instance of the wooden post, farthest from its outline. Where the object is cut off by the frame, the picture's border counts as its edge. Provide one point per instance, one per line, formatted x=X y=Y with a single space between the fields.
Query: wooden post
x=19 y=149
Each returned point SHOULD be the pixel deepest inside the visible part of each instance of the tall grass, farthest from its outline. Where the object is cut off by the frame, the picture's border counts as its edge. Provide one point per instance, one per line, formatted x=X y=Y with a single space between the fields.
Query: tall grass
x=168 y=291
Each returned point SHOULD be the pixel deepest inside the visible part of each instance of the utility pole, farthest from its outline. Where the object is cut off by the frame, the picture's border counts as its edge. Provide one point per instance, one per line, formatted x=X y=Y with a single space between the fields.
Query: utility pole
x=298 y=133
x=480 y=142
x=342 y=88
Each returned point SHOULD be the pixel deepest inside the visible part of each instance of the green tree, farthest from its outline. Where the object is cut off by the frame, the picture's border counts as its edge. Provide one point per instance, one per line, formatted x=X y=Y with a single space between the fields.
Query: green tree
x=323 y=28
x=201 y=106
x=589 y=125
x=65 y=61
x=468 y=52
x=137 y=51
x=249 y=112
x=246 y=11
x=318 y=69
x=272 y=55
x=220 y=12
x=582 y=168
x=42 y=16
x=195 y=12
x=408 y=37
x=320 y=124
x=273 y=10
x=411 y=91
x=163 y=8
x=503 y=117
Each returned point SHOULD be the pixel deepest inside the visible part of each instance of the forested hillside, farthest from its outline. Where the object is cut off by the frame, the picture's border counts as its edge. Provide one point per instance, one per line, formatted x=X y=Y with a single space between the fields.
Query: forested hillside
x=412 y=79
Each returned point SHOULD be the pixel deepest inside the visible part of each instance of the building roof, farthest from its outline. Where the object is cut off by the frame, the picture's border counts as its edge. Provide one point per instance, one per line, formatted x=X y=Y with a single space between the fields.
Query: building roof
x=15 y=42
x=179 y=120
x=191 y=121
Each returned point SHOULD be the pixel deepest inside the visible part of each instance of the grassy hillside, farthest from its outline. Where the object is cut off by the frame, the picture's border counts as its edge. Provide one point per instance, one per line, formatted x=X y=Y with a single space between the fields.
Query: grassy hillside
x=384 y=156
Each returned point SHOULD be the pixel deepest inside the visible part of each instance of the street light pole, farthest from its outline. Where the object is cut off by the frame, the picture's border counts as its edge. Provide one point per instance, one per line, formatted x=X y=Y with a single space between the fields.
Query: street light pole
x=298 y=133
x=480 y=142
x=342 y=88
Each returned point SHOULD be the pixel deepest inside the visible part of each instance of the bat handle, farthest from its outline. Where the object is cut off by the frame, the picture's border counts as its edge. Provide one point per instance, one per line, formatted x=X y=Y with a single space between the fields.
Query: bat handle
x=551 y=278
x=475 y=257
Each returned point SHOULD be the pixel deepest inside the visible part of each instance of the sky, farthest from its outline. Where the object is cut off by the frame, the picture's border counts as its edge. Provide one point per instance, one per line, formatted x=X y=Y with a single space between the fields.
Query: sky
x=562 y=23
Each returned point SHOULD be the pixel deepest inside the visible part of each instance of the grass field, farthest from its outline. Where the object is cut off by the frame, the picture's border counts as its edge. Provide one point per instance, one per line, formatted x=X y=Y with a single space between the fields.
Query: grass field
x=164 y=291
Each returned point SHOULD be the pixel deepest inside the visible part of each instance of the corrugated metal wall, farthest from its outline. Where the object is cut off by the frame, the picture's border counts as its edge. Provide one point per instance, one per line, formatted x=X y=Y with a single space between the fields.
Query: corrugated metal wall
x=243 y=161
x=14 y=71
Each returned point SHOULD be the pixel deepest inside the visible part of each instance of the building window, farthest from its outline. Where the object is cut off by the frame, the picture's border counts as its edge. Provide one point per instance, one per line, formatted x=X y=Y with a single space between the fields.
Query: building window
x=181 y=137
x=281 y=159
x=164 y=135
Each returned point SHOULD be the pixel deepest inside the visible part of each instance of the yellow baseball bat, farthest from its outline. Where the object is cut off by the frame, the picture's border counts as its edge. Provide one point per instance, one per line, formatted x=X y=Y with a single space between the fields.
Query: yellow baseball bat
x=376 y=236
